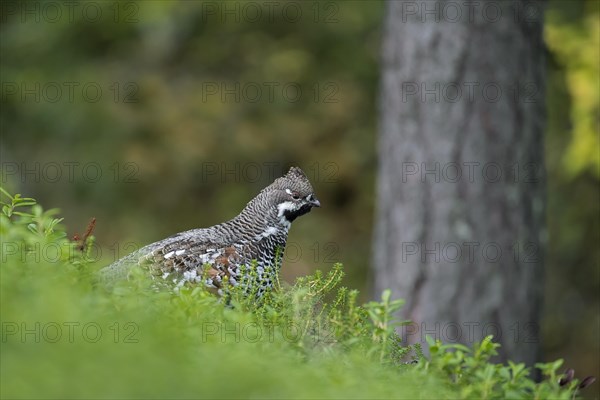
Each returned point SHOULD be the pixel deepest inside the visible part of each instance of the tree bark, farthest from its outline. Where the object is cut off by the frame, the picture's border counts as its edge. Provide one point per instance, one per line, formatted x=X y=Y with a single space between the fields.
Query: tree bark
x=460 y=194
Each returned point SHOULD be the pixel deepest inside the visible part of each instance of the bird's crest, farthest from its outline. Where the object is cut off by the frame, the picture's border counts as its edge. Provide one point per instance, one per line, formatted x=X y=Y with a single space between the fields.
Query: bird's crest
x=294 y=179
x=296 y=172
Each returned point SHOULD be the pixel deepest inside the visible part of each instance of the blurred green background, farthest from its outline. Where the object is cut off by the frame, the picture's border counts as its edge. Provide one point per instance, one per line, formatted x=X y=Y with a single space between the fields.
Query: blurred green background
x=161 y=116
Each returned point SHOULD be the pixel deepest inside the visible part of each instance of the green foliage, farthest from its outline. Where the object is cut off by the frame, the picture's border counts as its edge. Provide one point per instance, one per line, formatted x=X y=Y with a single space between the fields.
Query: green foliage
x=571 y=142
x=76 y=339
x=156 y=128
x=476 y=377
x=575 y=46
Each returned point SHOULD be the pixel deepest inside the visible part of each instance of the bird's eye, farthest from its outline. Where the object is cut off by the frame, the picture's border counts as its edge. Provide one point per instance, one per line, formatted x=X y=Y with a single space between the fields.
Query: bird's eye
x=294 y=195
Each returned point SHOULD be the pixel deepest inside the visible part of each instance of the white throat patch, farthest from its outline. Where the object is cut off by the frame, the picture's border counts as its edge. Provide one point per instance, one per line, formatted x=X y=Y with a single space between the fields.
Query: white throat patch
x=285 y=206
x=281 y=209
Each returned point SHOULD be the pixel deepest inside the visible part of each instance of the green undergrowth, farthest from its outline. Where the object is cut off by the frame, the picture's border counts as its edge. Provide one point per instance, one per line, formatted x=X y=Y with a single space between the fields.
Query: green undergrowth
x=65 y=336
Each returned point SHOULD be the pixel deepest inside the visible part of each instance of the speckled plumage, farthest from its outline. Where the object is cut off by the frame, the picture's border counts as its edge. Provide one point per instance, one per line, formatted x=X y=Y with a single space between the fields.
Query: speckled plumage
x=255 y=238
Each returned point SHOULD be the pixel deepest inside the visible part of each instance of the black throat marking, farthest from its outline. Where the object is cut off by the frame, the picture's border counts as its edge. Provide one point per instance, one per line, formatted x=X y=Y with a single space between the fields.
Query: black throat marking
x=292 y=215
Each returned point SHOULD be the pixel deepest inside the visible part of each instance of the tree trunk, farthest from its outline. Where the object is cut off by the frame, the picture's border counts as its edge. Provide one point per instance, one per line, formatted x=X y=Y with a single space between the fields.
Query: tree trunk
x=460 y=195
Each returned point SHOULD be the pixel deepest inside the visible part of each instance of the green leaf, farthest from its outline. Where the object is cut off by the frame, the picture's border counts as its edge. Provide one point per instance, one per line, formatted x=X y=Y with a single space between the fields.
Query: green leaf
x=4 y=192
x=22 y=214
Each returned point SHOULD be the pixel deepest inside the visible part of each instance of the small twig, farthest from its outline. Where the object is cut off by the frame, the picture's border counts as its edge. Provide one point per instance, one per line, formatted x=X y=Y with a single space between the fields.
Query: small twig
x=82 y=240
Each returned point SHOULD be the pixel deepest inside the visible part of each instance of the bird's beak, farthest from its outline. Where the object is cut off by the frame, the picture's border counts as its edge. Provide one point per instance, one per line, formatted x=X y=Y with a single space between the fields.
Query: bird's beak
x=315 y=202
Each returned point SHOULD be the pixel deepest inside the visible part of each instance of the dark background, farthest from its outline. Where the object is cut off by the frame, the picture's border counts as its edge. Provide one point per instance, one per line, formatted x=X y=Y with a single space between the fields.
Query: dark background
x=157 y=117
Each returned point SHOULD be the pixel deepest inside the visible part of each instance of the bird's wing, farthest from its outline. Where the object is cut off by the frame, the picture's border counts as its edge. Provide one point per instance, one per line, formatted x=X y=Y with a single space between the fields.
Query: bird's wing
x=181 y=255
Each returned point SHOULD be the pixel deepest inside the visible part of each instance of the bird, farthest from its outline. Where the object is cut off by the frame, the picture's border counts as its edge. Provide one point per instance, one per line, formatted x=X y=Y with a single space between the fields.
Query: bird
x=249 y=245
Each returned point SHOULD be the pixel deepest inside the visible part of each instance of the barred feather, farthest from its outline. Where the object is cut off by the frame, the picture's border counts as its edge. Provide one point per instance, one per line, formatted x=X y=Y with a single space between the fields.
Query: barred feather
x=255 y=238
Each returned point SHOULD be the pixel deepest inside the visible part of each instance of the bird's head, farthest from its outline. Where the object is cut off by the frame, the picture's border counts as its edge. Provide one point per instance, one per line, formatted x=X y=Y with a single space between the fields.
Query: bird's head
x=293 y=195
